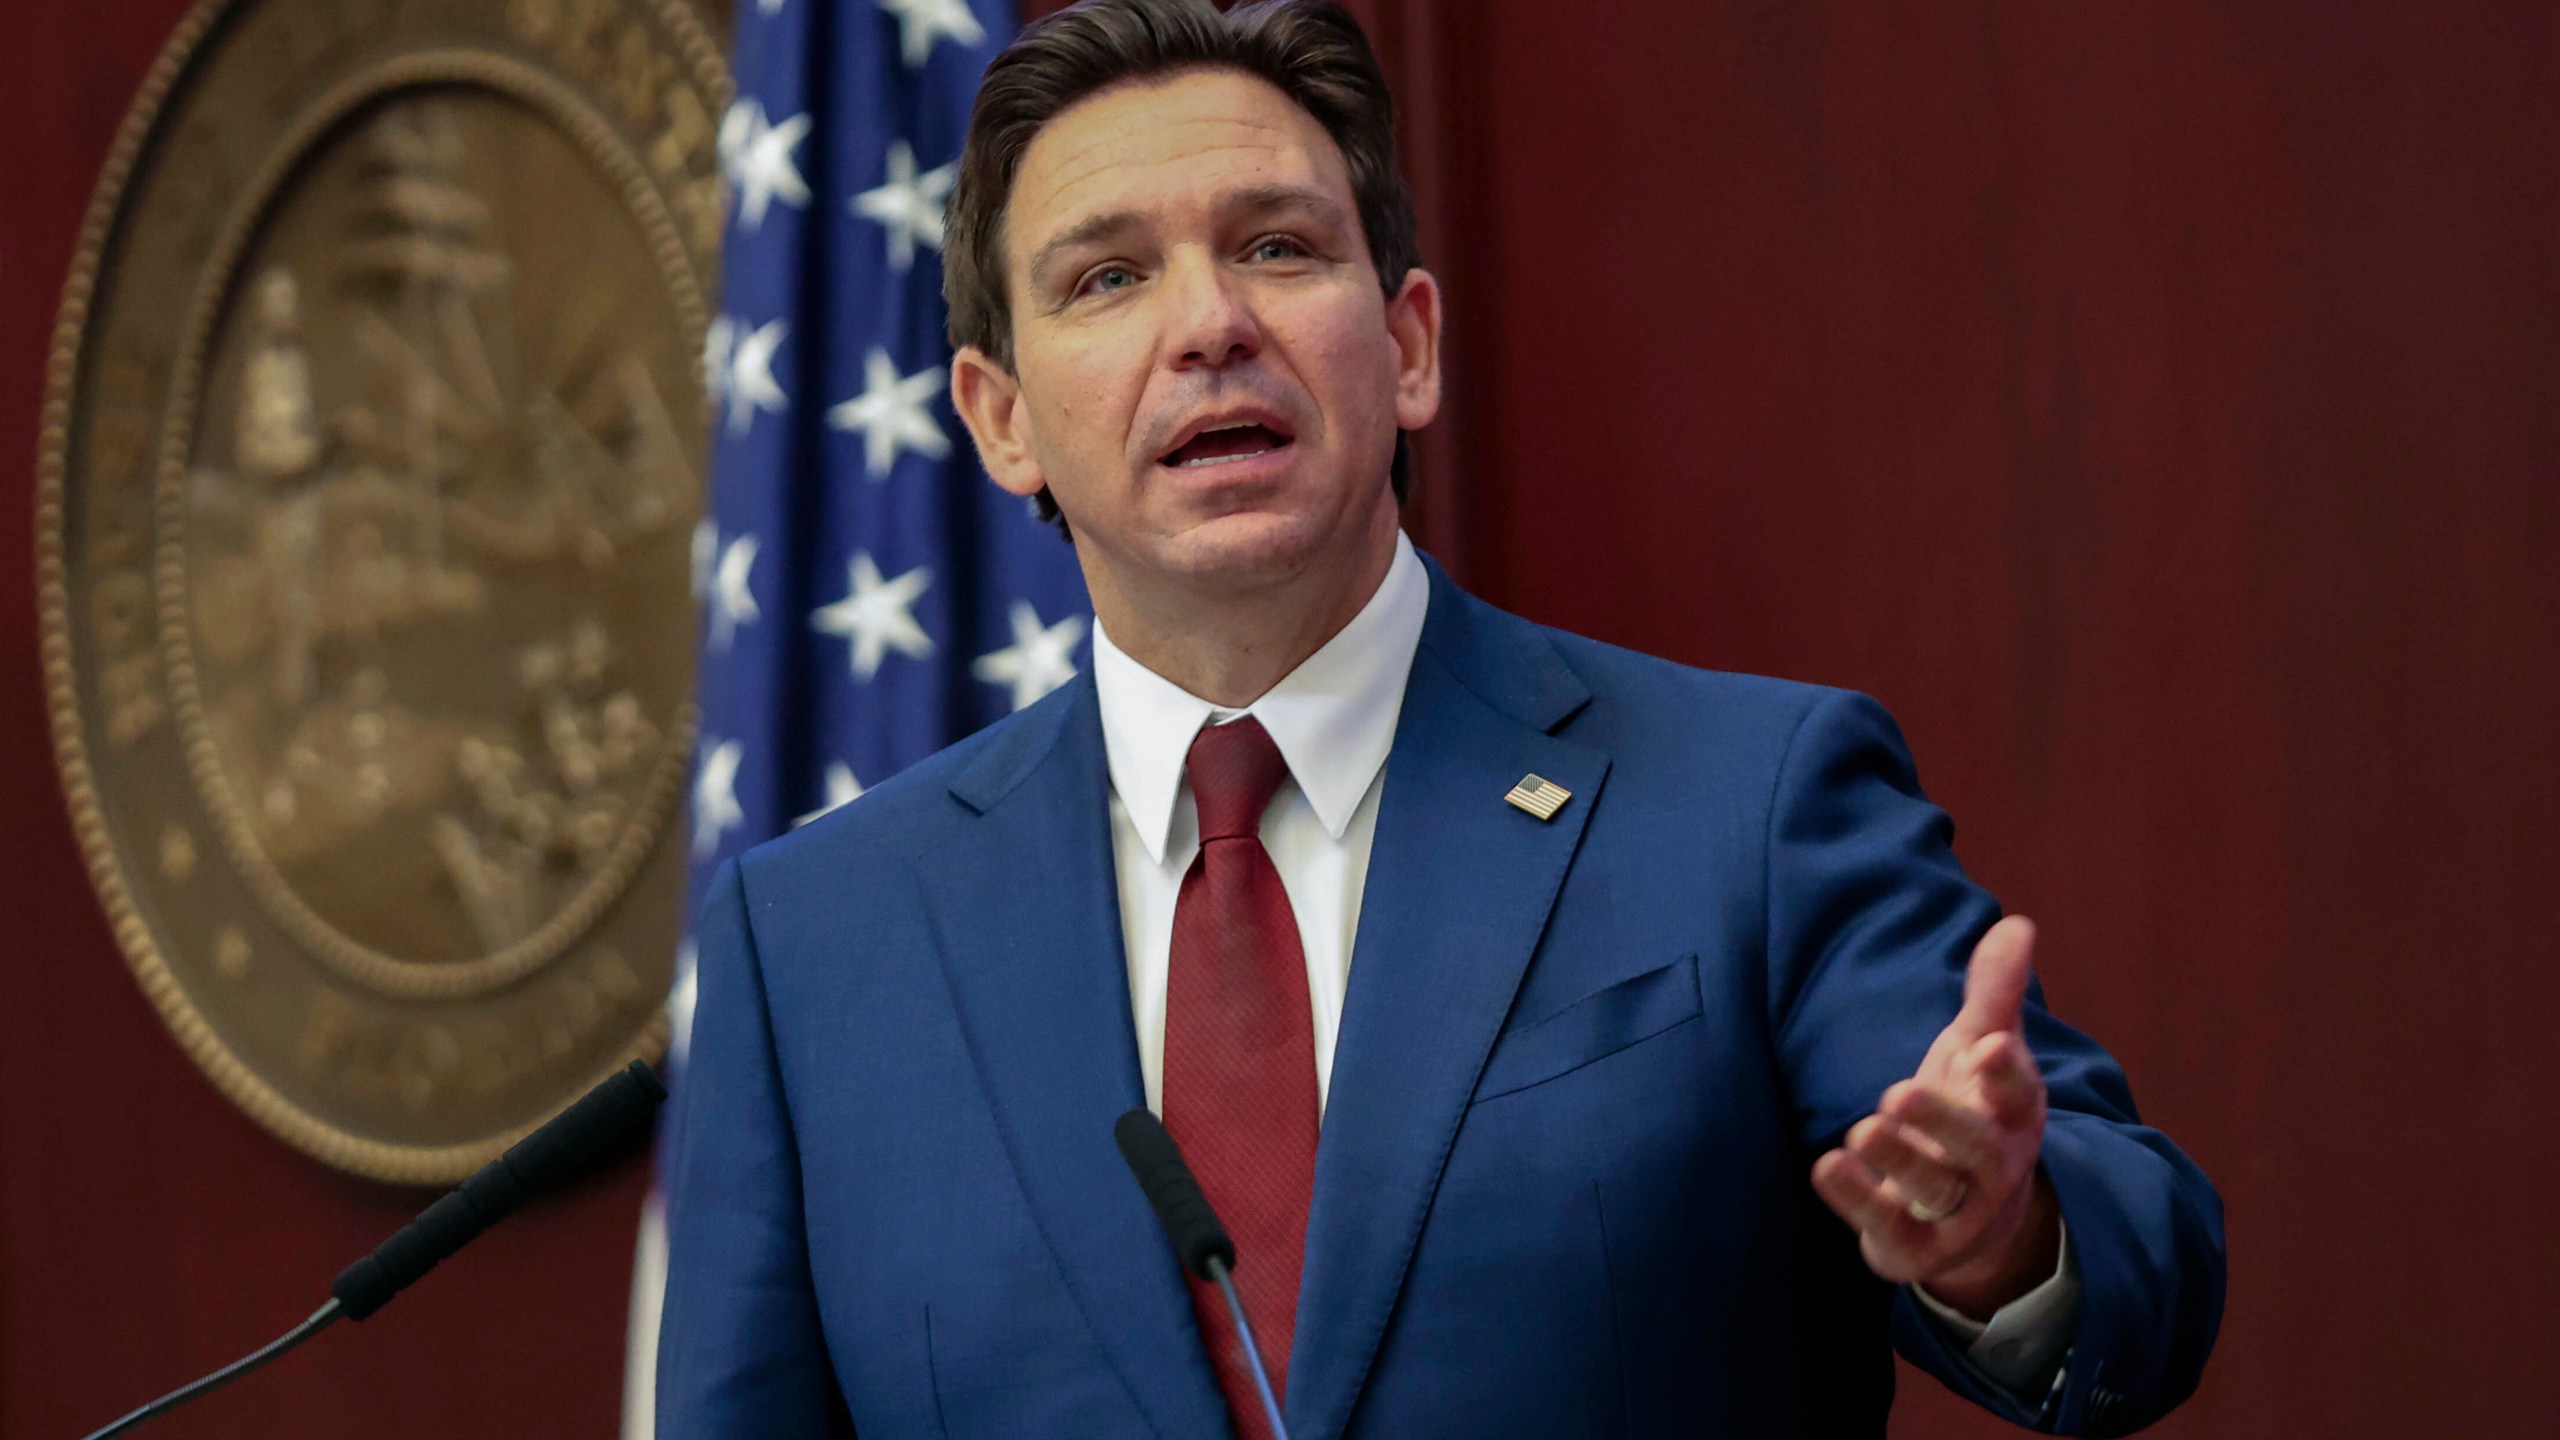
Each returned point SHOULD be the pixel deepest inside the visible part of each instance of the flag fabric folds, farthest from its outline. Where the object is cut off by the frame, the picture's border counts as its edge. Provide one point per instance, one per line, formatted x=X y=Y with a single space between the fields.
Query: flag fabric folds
x=867 y=596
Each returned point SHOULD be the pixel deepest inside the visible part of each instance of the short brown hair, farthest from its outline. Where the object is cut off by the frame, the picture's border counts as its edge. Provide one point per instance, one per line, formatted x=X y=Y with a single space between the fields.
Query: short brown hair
x=1310 y=50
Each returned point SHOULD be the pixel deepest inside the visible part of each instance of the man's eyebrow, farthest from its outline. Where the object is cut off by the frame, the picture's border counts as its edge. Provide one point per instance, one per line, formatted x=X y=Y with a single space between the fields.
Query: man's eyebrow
x=1088 y=231
x=1252 y=200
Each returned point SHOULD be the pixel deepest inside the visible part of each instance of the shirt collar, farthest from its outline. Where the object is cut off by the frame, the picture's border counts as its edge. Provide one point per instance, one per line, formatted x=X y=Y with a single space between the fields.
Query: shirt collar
x=1334 y=717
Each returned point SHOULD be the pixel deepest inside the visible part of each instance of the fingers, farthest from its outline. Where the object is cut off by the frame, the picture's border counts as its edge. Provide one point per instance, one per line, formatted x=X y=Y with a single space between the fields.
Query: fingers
x=1996 y=1075
x=1845 y=1184
x=1995 y=980
x=2007 y=1078
x=1897 y=1247
x=1927 y=1175
x=1857 y=1194
x=1959 y=1138
x=1969 y=1139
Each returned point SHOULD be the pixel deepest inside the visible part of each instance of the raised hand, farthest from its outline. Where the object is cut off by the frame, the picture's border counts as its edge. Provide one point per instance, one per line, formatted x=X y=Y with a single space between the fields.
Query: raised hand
x=1941 y=1183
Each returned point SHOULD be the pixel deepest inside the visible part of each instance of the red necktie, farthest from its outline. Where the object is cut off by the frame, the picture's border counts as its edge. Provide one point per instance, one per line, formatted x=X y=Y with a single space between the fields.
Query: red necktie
x=1240 y=1058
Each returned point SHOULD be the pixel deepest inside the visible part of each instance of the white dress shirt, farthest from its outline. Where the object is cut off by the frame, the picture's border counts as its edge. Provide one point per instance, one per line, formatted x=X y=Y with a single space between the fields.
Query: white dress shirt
x=1334 y=719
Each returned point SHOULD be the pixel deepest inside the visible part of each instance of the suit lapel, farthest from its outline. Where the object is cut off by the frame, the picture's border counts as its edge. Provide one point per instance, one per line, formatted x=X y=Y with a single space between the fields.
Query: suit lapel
x=1459 y=887
x=1027 y=920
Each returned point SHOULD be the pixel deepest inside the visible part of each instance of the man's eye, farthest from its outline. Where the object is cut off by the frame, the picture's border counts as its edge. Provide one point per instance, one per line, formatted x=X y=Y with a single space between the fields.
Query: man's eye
x=1277 y=247
x=1109 y=277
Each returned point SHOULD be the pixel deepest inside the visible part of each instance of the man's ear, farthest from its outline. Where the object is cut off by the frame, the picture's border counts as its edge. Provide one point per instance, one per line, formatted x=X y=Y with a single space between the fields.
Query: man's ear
x=1413 y=321
x=990 y=403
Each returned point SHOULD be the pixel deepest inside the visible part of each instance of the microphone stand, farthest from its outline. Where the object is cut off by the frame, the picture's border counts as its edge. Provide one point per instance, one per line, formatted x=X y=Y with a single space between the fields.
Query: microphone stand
x=1219 y=1275
x=318 y=1322
x=1200 y=1242
x=534 y=1164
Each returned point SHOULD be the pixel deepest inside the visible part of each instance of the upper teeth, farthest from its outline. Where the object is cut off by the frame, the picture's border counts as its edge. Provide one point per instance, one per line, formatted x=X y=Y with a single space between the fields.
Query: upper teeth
x=1221 y=459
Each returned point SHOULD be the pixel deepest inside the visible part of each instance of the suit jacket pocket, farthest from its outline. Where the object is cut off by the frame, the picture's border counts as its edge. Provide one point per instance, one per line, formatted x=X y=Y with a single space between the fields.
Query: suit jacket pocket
x=1594 y=1027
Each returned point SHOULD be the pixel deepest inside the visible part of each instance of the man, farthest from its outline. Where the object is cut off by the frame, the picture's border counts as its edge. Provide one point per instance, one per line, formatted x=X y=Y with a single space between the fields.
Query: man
x=1534 y=1012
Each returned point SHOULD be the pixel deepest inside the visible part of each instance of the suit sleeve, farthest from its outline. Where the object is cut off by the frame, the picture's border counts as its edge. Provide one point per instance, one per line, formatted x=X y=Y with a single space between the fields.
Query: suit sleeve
x=1871 y=922
x=740 y=1349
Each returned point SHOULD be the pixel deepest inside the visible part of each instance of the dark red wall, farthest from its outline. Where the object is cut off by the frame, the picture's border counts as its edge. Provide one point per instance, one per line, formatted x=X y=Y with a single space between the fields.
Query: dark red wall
x=2155 y=405
x=148 y=1231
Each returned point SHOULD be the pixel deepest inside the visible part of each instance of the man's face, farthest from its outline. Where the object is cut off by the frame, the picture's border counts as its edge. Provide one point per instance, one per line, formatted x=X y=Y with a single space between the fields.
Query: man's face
x=1206 y=374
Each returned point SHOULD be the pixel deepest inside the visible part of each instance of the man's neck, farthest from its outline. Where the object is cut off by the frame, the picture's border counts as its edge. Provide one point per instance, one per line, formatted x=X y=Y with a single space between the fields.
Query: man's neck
x=1231 y=648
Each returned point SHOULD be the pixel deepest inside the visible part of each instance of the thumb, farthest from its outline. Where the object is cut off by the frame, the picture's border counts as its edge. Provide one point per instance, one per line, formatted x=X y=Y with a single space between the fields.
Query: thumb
x=1995 y=983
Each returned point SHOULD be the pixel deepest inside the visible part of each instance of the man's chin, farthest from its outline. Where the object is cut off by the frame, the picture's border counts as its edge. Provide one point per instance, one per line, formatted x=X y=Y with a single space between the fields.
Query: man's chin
x=1245 y=550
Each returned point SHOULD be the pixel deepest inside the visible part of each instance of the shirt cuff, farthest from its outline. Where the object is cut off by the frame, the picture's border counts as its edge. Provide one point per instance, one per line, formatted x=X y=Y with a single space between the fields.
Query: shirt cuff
x=2023 y=1338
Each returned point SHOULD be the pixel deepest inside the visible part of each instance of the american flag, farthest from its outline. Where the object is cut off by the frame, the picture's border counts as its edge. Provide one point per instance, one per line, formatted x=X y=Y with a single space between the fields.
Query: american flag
x=867 y=595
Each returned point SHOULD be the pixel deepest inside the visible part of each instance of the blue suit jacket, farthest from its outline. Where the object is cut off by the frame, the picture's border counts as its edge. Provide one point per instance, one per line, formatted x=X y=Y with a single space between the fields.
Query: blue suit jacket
x=1562 y=1187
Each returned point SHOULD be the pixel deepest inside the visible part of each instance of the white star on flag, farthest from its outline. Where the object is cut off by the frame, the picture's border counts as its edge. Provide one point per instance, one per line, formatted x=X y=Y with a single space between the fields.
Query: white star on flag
x=890 y=414
x=909 y=205
x=877 y=615
x=751 y=383
x=1040 y=659
x=706 y=553
x=922 y=21
x=717 y=341
x=756 y=155
x=715 y=796
x=842 y=790
x=733 y=603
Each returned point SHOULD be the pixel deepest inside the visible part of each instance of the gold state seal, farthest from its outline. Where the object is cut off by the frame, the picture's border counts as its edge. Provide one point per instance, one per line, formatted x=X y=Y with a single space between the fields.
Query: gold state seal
x=370 y=470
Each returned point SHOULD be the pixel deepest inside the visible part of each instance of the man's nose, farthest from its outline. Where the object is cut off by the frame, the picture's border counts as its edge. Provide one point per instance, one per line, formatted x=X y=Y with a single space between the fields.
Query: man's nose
x=1212 y=322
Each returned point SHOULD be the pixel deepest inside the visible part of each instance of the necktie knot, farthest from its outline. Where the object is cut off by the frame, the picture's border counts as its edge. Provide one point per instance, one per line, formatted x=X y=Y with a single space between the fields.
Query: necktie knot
x=1235 y=770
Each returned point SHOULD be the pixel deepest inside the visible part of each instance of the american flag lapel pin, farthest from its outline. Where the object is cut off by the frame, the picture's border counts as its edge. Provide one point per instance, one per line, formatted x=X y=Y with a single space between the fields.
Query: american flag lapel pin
x=1539 y=796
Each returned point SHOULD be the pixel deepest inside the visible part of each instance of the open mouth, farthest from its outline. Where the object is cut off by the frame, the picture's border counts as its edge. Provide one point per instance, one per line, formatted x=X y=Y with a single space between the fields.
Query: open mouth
x=1225 y=445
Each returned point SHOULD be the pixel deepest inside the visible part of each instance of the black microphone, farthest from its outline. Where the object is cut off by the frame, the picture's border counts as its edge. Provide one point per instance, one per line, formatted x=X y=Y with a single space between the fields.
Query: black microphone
x=1199 y=1241
x=534 y=1164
